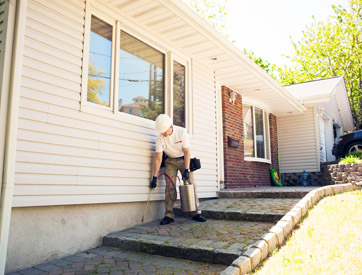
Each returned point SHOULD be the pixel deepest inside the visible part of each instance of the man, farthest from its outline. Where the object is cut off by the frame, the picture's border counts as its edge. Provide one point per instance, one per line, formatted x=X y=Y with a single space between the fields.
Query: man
x=175 y=142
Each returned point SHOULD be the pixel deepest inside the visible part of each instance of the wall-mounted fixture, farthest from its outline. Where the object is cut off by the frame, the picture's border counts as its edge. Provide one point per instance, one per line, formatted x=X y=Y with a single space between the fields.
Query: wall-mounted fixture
x=232 y=97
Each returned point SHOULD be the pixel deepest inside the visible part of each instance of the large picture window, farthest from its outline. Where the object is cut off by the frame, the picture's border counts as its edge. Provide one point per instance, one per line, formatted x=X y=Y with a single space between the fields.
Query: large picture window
x=130 y=77
x=141 y=78
x=256 y=133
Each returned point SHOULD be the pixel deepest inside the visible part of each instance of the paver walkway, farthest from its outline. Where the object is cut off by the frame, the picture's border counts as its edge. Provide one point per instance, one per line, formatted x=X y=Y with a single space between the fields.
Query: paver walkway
x=236 y=223
x=106 y=260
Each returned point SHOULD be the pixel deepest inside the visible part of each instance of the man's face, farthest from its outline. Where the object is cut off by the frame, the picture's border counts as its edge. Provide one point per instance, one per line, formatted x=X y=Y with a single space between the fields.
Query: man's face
x=168 y=132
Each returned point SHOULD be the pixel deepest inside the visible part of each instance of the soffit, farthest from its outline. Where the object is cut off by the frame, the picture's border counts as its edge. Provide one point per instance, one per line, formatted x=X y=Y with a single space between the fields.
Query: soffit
x=175 y=23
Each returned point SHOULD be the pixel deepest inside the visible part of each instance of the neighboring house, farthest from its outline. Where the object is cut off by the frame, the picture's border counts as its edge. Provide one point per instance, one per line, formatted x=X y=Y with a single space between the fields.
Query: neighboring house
x=136 y=108
x=75 y=165
x=307 y=139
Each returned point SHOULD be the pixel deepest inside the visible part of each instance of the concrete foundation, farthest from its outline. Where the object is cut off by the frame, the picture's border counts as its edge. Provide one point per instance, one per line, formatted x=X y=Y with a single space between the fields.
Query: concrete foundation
x=40 y=234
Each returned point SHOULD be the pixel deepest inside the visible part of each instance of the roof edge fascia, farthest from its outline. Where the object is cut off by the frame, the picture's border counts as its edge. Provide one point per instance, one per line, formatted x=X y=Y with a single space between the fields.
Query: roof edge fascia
x=221 y=42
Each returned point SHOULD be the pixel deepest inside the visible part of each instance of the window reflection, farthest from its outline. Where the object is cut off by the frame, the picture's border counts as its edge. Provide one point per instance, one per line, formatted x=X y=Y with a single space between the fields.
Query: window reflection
x=248 y=131
x=141 y=78
x=178 y=94
x=99 y=68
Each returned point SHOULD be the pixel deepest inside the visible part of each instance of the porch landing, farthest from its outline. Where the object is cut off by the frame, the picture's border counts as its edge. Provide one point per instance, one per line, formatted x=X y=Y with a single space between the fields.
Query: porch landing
x=267 y=192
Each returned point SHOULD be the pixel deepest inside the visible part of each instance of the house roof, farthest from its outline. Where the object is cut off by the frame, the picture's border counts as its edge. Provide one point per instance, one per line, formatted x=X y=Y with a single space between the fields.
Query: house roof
x=314 y=91
x=322 y=91
x=173 y=23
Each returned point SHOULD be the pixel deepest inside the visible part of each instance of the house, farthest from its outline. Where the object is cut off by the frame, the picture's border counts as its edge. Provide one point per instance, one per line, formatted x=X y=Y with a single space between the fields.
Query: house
x=306 y=140
x=75 y=165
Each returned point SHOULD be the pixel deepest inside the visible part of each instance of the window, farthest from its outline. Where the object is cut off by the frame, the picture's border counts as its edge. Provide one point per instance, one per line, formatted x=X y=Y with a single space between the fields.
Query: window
x=99 y=66
x=256 y=133
x=128 y=76
x=141 y=78
x=178 y=94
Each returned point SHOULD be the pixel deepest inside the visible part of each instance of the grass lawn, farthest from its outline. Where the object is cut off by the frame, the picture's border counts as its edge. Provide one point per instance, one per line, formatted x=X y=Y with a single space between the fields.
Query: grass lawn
x=327 y=241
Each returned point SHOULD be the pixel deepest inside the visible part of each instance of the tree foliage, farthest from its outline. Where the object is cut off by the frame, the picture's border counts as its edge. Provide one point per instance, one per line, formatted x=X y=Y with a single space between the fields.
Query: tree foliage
x=328 y=49
x=271 y=69
x=213 y=11
x=95 y=85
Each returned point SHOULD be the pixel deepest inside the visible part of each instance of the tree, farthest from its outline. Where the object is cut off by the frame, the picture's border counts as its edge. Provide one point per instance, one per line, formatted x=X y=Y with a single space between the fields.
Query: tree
x=213 y=11
x=328 y=49
x=95 y=85
x=271 y=69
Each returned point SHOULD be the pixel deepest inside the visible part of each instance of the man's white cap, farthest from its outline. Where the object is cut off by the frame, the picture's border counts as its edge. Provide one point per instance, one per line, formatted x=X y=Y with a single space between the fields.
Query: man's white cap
x=163 y=122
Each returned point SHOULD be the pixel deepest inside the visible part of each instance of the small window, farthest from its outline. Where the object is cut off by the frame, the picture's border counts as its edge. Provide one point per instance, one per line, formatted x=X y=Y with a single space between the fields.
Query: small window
x=259 y=129
x=256 y=133
x=248 y=131
x=100 y=59
x=141 y=78
x=178 y=94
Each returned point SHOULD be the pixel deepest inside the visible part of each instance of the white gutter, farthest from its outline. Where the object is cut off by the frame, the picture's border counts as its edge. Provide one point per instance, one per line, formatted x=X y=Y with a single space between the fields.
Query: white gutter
x=13 y=95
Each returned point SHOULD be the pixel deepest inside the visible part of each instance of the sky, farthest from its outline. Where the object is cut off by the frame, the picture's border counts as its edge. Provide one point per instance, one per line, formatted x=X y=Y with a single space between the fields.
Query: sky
x=265 y=26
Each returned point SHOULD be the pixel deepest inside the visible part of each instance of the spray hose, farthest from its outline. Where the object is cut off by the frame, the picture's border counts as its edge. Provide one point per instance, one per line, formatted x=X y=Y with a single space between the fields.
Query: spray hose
x=169 y=184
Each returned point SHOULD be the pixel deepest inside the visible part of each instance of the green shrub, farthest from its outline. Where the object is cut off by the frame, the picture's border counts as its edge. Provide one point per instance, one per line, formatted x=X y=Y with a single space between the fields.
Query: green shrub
x=355 y=157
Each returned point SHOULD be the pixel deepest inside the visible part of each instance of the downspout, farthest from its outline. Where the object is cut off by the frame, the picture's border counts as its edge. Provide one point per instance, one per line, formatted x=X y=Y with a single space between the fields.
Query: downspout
x=7 y=185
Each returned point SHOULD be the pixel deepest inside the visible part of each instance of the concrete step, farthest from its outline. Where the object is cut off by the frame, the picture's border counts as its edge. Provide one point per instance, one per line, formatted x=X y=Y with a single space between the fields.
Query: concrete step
x=213 y=242
x=244 y=209
x=266 y=192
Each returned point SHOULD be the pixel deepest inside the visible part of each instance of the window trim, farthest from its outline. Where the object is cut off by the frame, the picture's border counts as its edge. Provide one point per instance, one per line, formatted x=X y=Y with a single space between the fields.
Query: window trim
x=85 y=104
x=266 y=129
x=170 y=55
x=185 y=62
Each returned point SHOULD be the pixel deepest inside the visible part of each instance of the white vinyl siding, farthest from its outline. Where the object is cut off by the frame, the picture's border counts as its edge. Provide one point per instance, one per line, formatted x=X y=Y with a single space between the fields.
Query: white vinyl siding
x=205 y=135
x=298 y=140
x=67 y=156
x=4 y=7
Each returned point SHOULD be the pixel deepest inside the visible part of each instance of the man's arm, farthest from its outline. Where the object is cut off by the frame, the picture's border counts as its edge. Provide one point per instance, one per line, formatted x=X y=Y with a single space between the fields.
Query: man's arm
x=157 y=163
x=187 y=157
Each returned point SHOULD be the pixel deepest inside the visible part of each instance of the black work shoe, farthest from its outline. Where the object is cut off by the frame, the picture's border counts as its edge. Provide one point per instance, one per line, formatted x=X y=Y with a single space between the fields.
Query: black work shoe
x=166 y=220
x=199 y=218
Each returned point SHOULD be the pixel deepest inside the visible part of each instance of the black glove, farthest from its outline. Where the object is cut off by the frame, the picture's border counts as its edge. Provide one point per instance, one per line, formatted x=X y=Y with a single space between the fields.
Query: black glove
x=186 y=174
x=153 y=183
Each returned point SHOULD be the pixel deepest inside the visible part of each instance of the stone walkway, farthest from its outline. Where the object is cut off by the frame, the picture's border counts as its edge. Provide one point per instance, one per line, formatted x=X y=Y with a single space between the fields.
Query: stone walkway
x=106 y=260
x=191 y=247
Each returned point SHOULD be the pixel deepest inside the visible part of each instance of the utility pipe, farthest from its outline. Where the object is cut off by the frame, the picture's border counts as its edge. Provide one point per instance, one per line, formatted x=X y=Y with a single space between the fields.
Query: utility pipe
x=7 y=185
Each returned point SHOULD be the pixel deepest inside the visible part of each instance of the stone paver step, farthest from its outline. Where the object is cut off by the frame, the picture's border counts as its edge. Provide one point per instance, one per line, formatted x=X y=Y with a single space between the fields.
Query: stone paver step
x=266 y=192
x=246 y=209
x=107 y=260
x=216 y=241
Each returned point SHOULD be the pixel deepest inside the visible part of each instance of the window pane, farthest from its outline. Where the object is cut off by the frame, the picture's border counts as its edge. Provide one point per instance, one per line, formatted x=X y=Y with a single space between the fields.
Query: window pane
x=99 y=68
x=267 y=134
x=141 y=78
x=259 y=133
x=248 y=131
x=178 y=94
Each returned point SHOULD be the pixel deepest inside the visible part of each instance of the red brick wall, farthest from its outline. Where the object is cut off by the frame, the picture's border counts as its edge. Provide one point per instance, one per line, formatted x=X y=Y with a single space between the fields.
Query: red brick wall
x=240 y=173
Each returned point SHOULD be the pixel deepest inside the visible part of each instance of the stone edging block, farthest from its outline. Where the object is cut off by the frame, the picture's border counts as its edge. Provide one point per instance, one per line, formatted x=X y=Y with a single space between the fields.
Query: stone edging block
x=243 y=263
x=231 y=270
x=296 y=214
x=271 y=239
x=263 y=246
x=260 y=249
x=254 y=254
x=278 y=233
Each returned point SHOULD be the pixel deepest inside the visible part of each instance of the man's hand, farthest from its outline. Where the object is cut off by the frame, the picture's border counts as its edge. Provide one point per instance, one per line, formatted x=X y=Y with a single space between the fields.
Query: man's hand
x=186 y=174
x=153 y=183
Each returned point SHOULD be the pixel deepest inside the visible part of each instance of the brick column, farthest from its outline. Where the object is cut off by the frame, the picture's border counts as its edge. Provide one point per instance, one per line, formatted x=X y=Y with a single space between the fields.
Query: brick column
x=238 y=172
x=232 y=128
